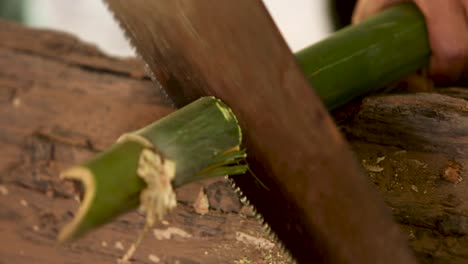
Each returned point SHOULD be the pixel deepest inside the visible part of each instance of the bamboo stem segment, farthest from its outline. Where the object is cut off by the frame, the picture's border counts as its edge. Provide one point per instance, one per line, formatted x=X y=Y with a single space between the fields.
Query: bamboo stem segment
x=198 y=141
x=366 y=56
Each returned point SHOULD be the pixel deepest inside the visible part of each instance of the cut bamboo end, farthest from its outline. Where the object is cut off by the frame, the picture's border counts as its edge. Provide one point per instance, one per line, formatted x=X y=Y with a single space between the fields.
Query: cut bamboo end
x=199 y=141
x=86 y=178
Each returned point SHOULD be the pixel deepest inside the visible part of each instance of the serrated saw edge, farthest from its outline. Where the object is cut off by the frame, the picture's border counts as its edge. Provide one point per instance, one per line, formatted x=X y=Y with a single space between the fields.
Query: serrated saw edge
x=134 y=47
x=265 y=226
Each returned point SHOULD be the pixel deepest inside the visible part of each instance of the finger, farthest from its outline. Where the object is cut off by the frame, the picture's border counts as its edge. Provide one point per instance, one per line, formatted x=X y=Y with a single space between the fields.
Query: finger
x=447 y=25
x=367 y=8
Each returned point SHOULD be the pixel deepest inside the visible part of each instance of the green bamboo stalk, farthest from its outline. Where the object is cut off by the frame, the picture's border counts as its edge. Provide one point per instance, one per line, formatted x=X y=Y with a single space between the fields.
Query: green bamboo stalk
x=201 y=139
x=360 y=58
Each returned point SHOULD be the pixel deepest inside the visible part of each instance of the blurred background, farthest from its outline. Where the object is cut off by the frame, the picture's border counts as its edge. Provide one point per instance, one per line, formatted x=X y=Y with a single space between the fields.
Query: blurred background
x=302 y=22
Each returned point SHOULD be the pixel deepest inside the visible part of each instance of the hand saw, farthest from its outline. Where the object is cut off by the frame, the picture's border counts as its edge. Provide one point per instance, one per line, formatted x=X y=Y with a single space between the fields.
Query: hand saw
x=307 y=185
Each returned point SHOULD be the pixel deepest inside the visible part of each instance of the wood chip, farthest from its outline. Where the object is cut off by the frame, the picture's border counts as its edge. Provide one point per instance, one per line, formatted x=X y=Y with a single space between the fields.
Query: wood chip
x=154 y=258
x=380 y=159
x=16 y=102
x=372 y=168
x=201 y=204
x=414 y=188
x=118 y=245
x=162 y=234
x=23 y=203
x=104 y=244
x=36 y=228
x=3 y=190
x=258 y=242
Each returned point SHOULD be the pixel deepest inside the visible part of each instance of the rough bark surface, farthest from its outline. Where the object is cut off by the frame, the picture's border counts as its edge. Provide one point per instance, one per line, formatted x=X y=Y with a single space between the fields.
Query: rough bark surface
x=414 y=148
x=62 y=101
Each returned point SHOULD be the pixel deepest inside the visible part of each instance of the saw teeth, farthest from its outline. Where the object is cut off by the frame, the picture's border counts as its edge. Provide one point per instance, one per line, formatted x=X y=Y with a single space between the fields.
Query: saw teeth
x=289 y=258
x=267 y=228
x=260 y=218
x=238 y=191
x=254 y=210
x=244 y=200
x=135 y=50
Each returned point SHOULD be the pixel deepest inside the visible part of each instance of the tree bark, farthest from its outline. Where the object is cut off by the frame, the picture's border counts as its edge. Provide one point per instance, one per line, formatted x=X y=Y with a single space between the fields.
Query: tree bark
x=62 y=101
x=415 y=148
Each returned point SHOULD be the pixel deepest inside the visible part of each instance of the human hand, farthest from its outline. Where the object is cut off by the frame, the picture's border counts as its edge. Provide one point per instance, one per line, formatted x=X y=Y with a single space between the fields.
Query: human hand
x=447 y=24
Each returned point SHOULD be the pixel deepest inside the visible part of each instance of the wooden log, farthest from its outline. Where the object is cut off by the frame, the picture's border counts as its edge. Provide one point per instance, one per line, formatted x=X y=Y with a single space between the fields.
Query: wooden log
x=414 y=148
x=62 y=101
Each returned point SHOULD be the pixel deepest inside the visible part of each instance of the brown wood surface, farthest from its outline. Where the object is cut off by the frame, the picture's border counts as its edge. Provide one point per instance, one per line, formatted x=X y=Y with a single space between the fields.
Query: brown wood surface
x=62 y=101
x=421 y=142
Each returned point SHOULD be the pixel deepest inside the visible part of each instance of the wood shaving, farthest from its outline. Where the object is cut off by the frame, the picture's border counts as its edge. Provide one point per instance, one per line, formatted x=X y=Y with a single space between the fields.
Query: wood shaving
x=258 y=242
x=23 y=203
x=3 y=190
x=372 y=168
x=118 y=245
x=201 y=204
x=380 y=159
x=154 y=258
x=163 y=234
x=16 y=102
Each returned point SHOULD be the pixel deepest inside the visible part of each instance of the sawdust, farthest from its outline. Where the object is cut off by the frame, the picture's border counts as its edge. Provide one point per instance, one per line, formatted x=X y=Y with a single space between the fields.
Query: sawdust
x=119 y=245
x=258 y=242
x=154 y=258
x=3 y=190
x=24 y=203
x=68 y=94
x=169 y=233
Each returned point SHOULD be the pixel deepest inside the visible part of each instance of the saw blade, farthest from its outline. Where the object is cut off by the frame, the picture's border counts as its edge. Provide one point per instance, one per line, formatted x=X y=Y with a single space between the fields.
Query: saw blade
x=305 y=182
